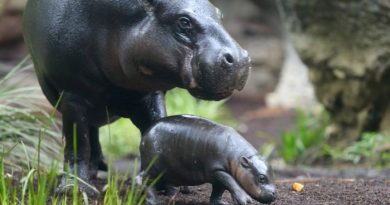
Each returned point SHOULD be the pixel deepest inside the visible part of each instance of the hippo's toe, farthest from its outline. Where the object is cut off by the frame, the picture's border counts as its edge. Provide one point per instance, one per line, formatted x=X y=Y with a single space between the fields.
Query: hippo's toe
x=218 y=202
x=243 y=199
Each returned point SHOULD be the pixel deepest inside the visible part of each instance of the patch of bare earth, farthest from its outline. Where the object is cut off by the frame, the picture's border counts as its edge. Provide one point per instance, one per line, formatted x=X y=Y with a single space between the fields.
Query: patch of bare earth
x=316 y=192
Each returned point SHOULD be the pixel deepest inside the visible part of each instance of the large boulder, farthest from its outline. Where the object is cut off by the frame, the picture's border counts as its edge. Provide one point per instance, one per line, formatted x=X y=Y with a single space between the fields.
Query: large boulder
x=346 y=45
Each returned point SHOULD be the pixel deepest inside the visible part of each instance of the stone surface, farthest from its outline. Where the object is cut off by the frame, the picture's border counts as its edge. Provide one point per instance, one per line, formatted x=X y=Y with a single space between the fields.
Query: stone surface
x=294 y=89
x=346 y=45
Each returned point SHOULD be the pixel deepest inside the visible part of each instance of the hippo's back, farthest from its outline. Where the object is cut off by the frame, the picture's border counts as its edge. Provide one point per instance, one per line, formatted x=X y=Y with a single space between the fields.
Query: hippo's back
x=68 y=41
x=189 y=148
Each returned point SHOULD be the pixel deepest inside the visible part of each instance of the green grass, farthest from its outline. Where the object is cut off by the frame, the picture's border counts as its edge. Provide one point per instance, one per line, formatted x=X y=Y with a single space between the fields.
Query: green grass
x=24 y=118
x=34 y=188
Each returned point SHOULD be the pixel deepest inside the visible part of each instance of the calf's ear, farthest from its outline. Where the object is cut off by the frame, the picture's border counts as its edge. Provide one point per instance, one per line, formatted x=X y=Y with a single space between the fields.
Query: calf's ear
x=245 y=161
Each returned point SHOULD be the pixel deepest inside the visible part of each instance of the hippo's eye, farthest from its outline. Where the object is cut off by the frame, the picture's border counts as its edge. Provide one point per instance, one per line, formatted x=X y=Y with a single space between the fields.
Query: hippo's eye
x=261 y=179
x=184 y=24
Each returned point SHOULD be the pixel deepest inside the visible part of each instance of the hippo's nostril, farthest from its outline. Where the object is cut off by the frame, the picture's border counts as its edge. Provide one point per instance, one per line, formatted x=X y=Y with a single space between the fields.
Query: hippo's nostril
x=227 y=60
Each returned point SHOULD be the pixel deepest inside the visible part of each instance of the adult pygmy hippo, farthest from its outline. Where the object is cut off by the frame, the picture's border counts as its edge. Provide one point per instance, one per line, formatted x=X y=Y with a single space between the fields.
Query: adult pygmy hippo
x=103 y=59
x=191 y=151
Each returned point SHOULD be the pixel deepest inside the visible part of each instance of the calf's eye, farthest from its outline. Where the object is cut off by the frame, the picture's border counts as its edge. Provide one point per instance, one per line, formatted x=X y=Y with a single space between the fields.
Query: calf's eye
x=262 y=179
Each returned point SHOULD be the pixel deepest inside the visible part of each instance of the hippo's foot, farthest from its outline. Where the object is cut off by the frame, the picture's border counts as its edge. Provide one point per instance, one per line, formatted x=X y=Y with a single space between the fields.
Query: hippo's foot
x=242 y=199
x=67 y=187
x=68 y=181
x=169 y=190
x=165 y=189
x=218 y=202
x=185 y=190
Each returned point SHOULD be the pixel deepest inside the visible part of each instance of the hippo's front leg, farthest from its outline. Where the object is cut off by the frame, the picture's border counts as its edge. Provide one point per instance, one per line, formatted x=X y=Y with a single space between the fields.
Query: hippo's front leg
x=239 y=196
x=77 y=143
x=216 y=194
x=148 y=110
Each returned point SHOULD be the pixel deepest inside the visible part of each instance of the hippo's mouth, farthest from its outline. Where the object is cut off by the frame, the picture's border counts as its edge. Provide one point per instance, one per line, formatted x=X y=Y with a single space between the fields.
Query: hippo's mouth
x=206 y=95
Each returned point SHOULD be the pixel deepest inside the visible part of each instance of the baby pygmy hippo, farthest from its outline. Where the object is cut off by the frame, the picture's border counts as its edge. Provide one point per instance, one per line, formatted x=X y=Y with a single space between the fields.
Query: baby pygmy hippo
x=192 y=151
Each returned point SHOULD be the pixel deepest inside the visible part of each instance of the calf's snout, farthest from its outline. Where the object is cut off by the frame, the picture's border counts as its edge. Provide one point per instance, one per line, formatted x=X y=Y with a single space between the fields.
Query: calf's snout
x=268 y=194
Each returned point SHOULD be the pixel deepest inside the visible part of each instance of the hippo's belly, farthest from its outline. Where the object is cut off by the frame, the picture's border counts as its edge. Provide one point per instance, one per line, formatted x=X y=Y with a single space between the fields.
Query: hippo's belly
x=185 y=173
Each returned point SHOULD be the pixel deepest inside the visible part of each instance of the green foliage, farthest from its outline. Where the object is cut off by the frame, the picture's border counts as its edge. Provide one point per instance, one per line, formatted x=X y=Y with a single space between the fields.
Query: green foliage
x=307 y=143
x=371 y=149
x=179 y=102
x=119 y=139
x=303 y=143
x=122 y=137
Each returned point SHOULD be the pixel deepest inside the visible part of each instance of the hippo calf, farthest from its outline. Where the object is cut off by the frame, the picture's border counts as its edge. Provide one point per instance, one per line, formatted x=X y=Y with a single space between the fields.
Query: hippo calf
x=190 y=151
x=99 y=60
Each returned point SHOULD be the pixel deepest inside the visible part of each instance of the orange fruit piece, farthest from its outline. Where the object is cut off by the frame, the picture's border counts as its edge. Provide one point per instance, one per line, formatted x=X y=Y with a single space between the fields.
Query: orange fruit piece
x=298 y=187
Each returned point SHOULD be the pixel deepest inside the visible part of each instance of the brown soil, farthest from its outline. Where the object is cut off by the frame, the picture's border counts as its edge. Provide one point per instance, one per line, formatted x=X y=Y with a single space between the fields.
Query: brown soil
x=316 y=191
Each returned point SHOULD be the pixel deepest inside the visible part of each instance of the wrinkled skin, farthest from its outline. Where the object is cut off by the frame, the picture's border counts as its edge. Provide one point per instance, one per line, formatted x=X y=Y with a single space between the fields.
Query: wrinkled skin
x=191 y=151
x=116 y=58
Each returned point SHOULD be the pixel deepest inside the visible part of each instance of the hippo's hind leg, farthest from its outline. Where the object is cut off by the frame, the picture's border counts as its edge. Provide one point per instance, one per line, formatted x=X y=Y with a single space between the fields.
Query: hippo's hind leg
x=77 y=148
x=144 y=181
x=239 y=196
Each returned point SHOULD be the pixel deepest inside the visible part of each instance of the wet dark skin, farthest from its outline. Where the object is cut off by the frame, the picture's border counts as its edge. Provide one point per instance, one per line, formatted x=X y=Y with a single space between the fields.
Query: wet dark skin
x=116 y=58
x=191 y=151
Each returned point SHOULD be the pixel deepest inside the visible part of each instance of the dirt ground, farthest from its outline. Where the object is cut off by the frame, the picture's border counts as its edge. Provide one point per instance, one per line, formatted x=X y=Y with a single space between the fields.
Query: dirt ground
x=315 y=192
x=349 y=185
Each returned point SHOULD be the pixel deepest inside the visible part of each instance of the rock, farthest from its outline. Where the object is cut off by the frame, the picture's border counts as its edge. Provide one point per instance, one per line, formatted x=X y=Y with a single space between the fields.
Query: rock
x=346 y=45
x=294 y=89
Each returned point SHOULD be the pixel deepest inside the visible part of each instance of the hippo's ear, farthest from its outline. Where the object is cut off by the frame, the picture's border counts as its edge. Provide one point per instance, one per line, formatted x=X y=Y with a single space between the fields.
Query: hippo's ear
x=149 y=5
x=245 y=162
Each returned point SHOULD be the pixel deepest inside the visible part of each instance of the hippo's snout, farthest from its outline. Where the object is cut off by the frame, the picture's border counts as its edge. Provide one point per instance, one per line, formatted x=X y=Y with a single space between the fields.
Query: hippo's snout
x=268 y=194
x=230 y=60
x=219 y=75
x=238 y=63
